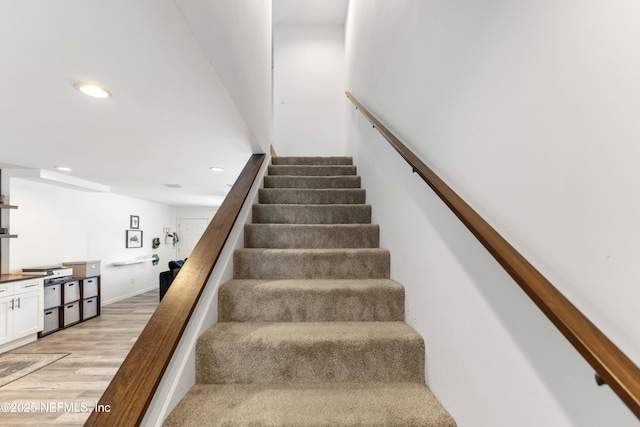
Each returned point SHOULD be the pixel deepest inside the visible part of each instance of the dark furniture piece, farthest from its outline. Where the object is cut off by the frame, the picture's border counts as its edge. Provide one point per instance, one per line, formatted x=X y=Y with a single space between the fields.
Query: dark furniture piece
x=68 y=301
x=166 y=277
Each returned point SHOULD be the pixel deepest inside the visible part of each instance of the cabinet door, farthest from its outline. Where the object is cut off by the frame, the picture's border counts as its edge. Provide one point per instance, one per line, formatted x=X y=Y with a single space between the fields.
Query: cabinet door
x=6 y=333
x=27 y=314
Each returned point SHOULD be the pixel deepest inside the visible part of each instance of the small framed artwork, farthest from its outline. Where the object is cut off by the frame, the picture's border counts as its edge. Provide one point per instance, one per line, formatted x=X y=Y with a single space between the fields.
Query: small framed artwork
x=134 y=238
x=134 y=222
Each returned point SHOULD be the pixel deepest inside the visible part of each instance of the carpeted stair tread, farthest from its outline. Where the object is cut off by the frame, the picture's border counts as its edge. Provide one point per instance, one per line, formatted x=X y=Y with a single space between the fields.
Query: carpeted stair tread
x=310 y=329
x=310 y=405
x=314 y=196
x=297 y=236
x=310 y=301
x=263 y=352
x=312 y=170
x=311 y=214
x=287 y=181
x=311 y=160
x=258 y=263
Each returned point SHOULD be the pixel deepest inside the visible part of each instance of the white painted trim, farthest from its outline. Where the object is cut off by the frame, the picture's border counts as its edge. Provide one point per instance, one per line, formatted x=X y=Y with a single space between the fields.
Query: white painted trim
x=59 y=179
x=123 y=297
x=18 y=343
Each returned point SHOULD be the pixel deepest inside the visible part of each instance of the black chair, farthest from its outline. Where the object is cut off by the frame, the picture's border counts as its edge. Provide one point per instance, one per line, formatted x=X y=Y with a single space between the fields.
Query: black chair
x=166 y=277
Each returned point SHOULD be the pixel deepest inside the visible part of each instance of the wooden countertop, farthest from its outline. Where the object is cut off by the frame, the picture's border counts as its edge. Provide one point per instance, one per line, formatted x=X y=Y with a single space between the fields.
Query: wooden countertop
x=4 y=278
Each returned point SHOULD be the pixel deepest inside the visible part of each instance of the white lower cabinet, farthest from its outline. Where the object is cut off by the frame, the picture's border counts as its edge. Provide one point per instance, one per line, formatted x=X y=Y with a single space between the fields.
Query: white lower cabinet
x=21 y=309
x=28 y=315
x=6 y=324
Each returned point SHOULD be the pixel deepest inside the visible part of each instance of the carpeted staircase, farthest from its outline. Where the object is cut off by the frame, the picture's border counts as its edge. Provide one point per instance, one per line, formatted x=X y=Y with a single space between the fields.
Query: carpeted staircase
x=311 y=329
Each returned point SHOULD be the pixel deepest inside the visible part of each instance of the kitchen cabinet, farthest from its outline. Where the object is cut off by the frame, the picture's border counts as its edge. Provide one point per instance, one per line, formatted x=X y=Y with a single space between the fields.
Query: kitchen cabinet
x=21 y=310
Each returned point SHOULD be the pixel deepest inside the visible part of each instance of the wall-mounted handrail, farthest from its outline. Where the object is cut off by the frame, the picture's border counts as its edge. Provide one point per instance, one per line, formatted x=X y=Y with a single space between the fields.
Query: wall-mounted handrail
x=610 y=364
x=130 y=392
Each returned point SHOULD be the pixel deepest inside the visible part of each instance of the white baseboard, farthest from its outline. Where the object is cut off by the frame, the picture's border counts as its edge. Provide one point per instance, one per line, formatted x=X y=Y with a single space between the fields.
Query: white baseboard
x=133 y=294
x=18 y=343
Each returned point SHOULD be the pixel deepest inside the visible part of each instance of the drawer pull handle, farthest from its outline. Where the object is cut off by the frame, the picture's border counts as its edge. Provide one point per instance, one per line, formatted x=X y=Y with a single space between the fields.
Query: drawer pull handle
x=48 y=313
x=31 y=286
x=70 y=306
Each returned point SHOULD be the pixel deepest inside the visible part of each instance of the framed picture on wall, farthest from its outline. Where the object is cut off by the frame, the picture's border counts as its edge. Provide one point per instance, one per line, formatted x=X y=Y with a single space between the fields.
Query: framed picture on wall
x=134 y=238
x=134 y=222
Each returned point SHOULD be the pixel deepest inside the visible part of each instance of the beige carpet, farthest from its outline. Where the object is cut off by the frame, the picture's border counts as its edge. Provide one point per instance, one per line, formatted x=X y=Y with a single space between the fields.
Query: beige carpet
x=311 y=329
x=14 y=366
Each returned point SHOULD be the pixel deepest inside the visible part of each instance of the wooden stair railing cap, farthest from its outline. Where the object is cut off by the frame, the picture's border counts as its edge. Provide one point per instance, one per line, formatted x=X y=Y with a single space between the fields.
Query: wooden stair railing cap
x=130 y=392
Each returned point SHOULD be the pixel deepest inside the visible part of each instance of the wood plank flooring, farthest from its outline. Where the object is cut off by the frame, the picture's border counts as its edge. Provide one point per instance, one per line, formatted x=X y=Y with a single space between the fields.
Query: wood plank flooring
x=65 y=392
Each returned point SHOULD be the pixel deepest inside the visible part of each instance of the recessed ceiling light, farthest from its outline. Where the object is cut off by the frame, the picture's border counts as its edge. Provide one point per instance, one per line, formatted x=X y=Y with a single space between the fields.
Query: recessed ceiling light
x=216 y=168
x=92 y=89
x=63 y=168
x=173 y=185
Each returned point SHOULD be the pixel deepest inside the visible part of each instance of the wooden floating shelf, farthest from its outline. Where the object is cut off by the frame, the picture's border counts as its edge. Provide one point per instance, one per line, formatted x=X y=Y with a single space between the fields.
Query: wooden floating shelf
x=133 y=261
x=8 y=236
x=8 y=207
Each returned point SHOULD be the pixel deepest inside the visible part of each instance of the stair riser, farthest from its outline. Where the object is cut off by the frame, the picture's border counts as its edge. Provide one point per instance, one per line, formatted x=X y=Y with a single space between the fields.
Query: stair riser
x=336 y=264
x=294 y=236
x=312 y=214
x=310 y=405
x=311 y=161
x=311 y=197
x=311 y=331
x=311 y=182
x=311 y=170
x=290 y=362
x=276 y=304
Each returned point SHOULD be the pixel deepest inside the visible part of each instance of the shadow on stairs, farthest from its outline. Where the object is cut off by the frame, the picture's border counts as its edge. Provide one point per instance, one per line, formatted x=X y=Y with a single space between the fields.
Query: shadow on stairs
x=311 y=329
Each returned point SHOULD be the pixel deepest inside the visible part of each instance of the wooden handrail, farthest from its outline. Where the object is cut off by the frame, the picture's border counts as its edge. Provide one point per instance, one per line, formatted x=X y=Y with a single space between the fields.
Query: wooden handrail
x=130 y=392
x=609 y=362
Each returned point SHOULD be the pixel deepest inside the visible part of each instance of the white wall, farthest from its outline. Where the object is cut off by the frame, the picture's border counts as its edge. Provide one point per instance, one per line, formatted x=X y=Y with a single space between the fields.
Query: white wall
x=310 y=78
x=108 y=217
x=235 y=35
x=51 y=224
x=527 y=110
x=56 y=225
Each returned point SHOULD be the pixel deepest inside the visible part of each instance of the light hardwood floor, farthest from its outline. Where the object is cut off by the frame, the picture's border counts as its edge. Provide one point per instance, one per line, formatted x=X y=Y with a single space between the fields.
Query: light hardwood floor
x=67 y=387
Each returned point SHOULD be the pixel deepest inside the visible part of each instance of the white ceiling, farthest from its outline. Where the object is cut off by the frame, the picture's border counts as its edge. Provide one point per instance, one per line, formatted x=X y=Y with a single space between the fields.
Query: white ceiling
x=169 y=120
x=310 y=12
x=170 y=117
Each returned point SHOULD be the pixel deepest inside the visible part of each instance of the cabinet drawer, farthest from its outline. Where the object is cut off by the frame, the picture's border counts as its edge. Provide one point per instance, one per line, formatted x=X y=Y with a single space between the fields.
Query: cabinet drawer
x=51 y=320
x=89 y=287
x=89 y=308
x=23 y=286
x=71 y=291
x=71 y=313
x=52 y=296
x=6 y=290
